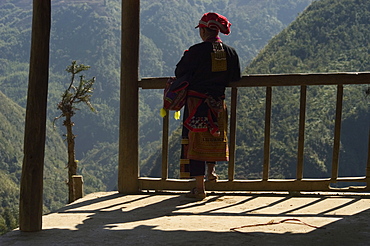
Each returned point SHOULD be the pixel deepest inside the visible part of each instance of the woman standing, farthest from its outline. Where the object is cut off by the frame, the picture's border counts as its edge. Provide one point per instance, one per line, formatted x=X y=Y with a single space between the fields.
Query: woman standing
x=210 y=66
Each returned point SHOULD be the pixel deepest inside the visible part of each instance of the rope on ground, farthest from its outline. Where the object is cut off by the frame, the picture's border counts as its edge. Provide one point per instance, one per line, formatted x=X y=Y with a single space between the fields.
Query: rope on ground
x=272 y=222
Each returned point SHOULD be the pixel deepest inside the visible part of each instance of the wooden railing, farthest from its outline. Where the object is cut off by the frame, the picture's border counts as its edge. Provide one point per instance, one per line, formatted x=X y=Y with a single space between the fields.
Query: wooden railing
x=267 y=184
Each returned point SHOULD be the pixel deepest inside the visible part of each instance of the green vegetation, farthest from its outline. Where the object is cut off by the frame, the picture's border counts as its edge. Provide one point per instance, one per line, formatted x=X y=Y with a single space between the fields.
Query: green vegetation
x=330 y=36
x=11 y=156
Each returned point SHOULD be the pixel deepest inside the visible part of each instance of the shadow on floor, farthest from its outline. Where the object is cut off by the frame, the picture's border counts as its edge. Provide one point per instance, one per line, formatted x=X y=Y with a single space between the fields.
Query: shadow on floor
x=171 y=219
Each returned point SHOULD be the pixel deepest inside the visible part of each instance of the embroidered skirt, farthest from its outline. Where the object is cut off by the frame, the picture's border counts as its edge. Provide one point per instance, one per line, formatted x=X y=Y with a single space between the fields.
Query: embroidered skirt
x=206 y=140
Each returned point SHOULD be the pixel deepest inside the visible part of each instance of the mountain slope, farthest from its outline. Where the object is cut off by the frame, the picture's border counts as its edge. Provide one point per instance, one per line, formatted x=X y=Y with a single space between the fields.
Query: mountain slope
x=329 y=36
x=11 y=157
x=89 y=31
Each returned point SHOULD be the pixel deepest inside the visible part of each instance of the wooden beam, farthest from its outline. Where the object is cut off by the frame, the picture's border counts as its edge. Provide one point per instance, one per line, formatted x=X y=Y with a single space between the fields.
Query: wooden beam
x=302 y=79
x=128 y=168
x=253 y=185
x=264 y=80
x=31 y=191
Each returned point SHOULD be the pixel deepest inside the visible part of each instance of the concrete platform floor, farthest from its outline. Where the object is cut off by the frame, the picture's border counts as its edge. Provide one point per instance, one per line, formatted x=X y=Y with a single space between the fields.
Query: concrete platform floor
x=109 y=218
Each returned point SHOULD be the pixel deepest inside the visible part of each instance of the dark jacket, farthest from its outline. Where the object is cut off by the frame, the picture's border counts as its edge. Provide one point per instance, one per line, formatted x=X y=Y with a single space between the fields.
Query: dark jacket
x=197 y=60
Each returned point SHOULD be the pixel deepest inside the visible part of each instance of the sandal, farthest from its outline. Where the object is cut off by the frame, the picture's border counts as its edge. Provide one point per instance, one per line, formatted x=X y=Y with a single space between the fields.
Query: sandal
x=212 y=177
x=194 y=193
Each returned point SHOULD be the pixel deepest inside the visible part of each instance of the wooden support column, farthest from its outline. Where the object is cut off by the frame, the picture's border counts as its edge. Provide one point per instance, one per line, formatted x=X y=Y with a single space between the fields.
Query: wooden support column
x=31 y=202
x=128 y=169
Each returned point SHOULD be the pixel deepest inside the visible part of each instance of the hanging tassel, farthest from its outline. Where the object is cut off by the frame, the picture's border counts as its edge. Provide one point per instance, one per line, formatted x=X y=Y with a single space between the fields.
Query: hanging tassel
x=162 y=112
x=177 y=115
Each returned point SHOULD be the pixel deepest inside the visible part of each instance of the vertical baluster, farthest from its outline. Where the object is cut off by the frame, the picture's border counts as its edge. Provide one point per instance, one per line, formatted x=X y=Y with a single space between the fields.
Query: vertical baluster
x=266 y=155
x=231 y=168
x=165 y=146
x=338 y=123
x=302 y=121
x=368 y=163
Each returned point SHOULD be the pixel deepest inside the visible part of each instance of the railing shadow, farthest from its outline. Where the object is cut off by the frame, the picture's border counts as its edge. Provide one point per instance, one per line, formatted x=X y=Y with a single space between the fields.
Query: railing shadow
x=172 y=219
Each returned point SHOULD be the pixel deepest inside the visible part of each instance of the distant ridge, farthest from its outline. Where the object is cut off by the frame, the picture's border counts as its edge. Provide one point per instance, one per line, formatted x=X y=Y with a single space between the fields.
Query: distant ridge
x=330 y=36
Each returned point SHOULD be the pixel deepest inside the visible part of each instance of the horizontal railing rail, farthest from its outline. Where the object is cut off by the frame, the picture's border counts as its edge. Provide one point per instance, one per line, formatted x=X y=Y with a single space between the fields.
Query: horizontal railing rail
x=266 y=184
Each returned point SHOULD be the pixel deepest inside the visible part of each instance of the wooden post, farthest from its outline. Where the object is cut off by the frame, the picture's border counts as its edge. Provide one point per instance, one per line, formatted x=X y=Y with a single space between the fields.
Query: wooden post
x=368 y=162
x=165 y=134
x=302 y=122
x=78 y=190
x=337 y=129
x=128 y=168
x=266 y=149
x=234 y=102
x=31 y=202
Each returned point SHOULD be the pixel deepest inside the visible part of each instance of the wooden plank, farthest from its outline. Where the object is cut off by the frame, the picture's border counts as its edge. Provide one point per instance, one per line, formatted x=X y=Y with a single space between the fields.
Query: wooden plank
x=31 y=190
x=232 y=143
x=248 y=185
x=337 y=129
x=352 y=179
x=153 y=83
x=128 y=157
x=264 y=80
x=266 y=154
x=302 y=123
x=302 y=79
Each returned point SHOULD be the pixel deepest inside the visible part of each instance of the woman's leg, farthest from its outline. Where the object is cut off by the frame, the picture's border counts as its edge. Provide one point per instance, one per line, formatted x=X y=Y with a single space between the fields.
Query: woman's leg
x=211 y=171
x=197 y=171
x=199 y=184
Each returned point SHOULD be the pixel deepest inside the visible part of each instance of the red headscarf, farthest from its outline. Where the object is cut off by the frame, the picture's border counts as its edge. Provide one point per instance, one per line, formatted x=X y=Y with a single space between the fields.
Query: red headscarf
x=215 y=21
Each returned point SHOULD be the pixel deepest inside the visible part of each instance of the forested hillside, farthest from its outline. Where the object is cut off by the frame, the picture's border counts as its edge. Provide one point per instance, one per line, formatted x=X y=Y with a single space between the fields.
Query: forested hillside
x=330 y=36
x=90 y=33
x=11 y=145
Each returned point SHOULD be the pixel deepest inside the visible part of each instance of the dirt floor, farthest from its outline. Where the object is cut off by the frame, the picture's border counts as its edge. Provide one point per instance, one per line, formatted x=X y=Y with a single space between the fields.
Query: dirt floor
x=110 y=218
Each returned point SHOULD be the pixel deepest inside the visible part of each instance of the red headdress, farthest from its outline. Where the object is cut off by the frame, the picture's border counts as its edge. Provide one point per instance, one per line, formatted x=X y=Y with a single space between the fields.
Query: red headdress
x=215 y=21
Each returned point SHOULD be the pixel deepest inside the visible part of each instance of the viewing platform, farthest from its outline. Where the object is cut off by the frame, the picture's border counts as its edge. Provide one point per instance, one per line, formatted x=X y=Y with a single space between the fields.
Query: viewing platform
x=110 y=218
